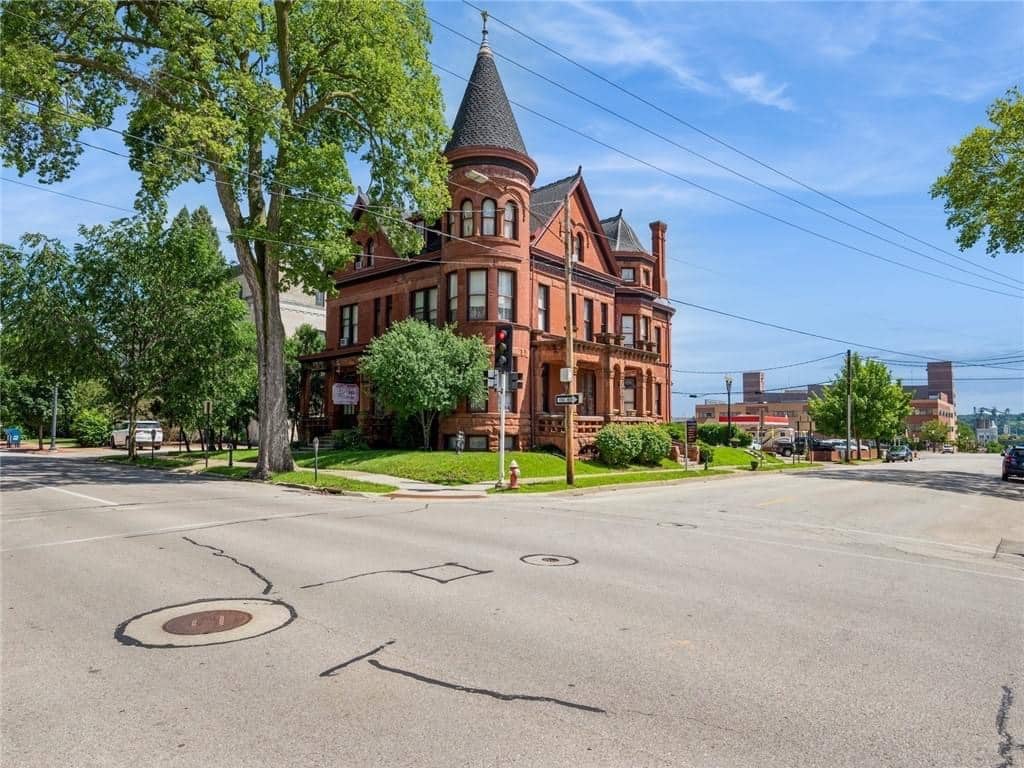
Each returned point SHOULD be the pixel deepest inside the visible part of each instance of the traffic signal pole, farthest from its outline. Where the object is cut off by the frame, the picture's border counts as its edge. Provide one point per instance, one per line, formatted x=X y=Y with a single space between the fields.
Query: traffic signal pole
x=570 y=410
x=502 y=386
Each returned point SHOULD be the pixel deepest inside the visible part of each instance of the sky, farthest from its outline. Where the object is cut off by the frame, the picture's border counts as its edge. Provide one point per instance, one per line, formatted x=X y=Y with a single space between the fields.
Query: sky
x=859 y=101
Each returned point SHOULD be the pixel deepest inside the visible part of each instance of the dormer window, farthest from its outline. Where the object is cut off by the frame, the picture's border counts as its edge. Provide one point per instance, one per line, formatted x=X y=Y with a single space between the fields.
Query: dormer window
x=489 y=218
x=628 y=275
x=577 y=248
x=467 y=218
x=369 y=253
x=508 y=223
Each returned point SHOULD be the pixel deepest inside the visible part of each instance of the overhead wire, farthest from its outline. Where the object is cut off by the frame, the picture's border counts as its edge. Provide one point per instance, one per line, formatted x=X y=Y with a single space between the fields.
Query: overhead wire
x=726 y=144
x=728 y=169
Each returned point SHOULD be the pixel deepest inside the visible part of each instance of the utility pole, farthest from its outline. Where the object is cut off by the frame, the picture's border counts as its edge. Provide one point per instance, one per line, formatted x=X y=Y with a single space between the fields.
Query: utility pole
x=53 y=421
x=502 y=385
x=849 y=403
x=570 y=409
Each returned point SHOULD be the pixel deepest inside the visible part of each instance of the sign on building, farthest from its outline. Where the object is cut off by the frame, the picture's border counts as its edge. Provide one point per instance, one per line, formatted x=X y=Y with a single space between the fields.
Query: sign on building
x=345 y=394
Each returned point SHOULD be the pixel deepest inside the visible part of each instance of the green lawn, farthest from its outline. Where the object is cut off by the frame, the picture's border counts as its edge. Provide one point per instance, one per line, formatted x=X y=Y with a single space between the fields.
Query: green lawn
x=614 y=478
x=738 y=457
x=448 y=468
x=162 y=462
x=330 y=482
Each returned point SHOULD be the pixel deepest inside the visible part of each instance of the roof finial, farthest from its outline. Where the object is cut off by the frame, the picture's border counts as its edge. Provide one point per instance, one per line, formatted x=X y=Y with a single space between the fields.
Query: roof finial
x=484 y=15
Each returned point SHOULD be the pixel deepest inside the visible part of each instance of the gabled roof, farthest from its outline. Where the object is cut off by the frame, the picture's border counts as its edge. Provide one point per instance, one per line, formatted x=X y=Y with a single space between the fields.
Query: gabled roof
x=621 y=236
x=545 y=200
x=485 y=117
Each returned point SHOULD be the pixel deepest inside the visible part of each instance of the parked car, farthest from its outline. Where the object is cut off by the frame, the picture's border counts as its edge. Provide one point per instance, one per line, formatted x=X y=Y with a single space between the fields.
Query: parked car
x=144 y=436
x=900 y=453
x=947 y=449
x=1013 y=462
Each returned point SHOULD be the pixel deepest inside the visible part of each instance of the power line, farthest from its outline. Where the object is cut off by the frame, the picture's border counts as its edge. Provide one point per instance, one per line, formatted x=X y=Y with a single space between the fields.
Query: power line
x=753 y=369
x=728 y=169
x=669 y=299
x=735 y=201
x=728 y=145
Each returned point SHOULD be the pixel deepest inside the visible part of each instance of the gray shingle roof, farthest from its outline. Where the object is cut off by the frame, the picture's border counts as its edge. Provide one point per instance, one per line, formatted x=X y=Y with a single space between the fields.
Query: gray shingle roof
x=544 y=200
x=621 y=236
x=485 y=117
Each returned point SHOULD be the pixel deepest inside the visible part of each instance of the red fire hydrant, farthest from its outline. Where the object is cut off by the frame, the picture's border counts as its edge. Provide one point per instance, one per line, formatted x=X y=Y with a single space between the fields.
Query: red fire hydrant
x=513 y=475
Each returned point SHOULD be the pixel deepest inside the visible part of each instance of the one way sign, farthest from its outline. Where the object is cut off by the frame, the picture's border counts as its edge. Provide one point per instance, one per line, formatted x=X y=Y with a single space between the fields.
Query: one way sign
x=573 y=399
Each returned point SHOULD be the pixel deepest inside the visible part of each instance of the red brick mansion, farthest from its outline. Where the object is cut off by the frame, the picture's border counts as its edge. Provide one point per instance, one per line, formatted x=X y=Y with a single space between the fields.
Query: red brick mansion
x=498 y=258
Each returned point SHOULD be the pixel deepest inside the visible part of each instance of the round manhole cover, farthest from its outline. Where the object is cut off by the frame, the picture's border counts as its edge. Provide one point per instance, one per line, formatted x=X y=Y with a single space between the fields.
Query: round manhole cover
x=688 y=526
x=549 y=560
x=206 y=622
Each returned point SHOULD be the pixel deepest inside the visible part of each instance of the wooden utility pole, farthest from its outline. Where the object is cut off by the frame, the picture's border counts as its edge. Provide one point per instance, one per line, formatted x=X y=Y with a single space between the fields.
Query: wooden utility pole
x=849 y=404
x=570 y=409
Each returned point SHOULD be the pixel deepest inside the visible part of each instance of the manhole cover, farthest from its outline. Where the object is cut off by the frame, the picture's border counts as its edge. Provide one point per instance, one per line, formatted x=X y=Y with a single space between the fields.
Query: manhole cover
x=206 y=622
x=549 y=560
x=677 y=525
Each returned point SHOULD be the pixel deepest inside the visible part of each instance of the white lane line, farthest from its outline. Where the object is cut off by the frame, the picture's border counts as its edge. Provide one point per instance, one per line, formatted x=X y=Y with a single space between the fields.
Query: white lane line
x=21 y=519
x=129 y=534
x=70 y=493
x=898 y=561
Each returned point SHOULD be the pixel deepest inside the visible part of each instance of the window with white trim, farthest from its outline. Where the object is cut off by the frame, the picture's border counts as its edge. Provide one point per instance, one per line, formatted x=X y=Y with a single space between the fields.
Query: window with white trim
x=543 y=302
x=506 y=295
x=509 y=220
x=453 y=297
x=477 y=308
x=628 y=322
x=424 y=305
x=467 y=218
x=489 y=218
x=349 y=325
x=628 y=275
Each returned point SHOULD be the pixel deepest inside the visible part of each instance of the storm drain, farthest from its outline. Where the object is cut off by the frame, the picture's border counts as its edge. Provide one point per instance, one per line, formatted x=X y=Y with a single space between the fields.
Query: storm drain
x=205 y=622
x=549 y=560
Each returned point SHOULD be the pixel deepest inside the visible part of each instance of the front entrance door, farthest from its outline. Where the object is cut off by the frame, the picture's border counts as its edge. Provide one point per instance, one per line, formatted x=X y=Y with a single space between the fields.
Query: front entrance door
x=588 y=390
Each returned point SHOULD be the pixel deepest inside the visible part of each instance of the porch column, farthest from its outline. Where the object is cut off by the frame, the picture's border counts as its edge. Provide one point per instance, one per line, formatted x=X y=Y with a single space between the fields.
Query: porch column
x=649 y=377
x=641 y=393
x=602 y=405
x=616 y=393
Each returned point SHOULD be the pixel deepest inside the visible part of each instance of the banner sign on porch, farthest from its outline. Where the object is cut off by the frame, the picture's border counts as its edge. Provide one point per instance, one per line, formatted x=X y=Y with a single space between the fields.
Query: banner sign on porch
x=345 y=394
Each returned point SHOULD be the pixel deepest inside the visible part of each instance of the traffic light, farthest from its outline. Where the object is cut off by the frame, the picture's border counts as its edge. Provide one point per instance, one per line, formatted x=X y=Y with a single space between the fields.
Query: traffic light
x=503 y=348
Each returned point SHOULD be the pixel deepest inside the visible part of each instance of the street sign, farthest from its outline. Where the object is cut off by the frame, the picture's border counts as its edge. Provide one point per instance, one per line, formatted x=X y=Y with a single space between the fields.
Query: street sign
x=207 y=407
x=573 y=399
x=691 y=430
x=565 y=375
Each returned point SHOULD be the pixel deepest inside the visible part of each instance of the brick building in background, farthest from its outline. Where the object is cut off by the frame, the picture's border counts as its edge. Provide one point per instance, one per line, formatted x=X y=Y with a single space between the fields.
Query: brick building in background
x=498 y=257
x=934 y=400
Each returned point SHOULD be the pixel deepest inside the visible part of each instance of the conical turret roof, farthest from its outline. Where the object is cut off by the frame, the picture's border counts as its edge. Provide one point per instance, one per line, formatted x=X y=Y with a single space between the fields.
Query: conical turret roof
x=485 y=117
x=621 y=236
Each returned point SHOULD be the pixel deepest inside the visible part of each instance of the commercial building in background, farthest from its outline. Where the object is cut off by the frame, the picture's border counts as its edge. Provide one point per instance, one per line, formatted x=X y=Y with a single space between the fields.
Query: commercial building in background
x=498 y=258
x=297 y=306
x=934 y=400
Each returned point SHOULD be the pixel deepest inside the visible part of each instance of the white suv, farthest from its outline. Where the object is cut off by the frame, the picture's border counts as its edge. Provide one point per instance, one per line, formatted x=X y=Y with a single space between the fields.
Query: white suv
x=143 y=434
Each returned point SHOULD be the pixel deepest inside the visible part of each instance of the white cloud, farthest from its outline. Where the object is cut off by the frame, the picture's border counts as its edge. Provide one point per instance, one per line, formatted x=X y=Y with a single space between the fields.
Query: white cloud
x=755 y=88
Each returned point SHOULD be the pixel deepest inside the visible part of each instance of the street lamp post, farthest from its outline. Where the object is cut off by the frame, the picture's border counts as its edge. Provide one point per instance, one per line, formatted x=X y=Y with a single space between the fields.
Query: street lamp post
x=728 y=409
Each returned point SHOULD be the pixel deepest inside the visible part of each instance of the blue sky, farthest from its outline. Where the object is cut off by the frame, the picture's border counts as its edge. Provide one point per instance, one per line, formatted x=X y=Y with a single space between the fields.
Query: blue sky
x=861 y=101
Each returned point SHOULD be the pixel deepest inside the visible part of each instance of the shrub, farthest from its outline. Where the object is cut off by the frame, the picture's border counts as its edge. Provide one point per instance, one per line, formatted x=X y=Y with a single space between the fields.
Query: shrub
x=654 y=443
x=716 y=434
x=676 y=430
x=706 y=452
x=91 y=427
x=617 y=444
x=348 y=440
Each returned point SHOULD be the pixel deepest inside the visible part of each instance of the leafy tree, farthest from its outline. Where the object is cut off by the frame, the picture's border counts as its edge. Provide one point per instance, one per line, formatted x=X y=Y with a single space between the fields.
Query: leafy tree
x=421 y=370
x=306 y=340
x=715 y=433
x=880 y=405
x=966 y=438
x=268 y=100
x=984 y=184
x=935 y=432
x=216 y=357
x=41 y=334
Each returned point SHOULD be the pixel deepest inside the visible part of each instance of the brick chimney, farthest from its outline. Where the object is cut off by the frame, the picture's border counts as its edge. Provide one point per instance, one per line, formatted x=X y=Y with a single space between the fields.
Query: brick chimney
x=658 y=251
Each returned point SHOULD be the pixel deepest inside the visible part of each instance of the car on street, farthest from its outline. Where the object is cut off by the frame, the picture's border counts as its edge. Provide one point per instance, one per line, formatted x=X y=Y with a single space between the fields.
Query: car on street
x=1013 y=462
x=947 y=449
x=148 y=434
x=900 y=453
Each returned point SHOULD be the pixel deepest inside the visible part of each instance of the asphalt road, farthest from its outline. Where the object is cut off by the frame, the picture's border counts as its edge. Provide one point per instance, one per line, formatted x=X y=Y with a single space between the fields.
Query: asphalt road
x=841 y=617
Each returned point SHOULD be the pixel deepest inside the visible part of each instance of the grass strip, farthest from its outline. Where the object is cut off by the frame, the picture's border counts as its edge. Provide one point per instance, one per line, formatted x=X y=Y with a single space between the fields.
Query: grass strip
x=305 y=479
x=593 y=481
x=162 y=462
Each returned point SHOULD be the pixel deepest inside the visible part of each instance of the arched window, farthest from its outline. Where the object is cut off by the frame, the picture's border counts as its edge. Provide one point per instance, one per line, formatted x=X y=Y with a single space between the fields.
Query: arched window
x=467 y=218
x=508 y=222
x=453 y=220
x=488 y=218
x=369 y=253
x=577 y=248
